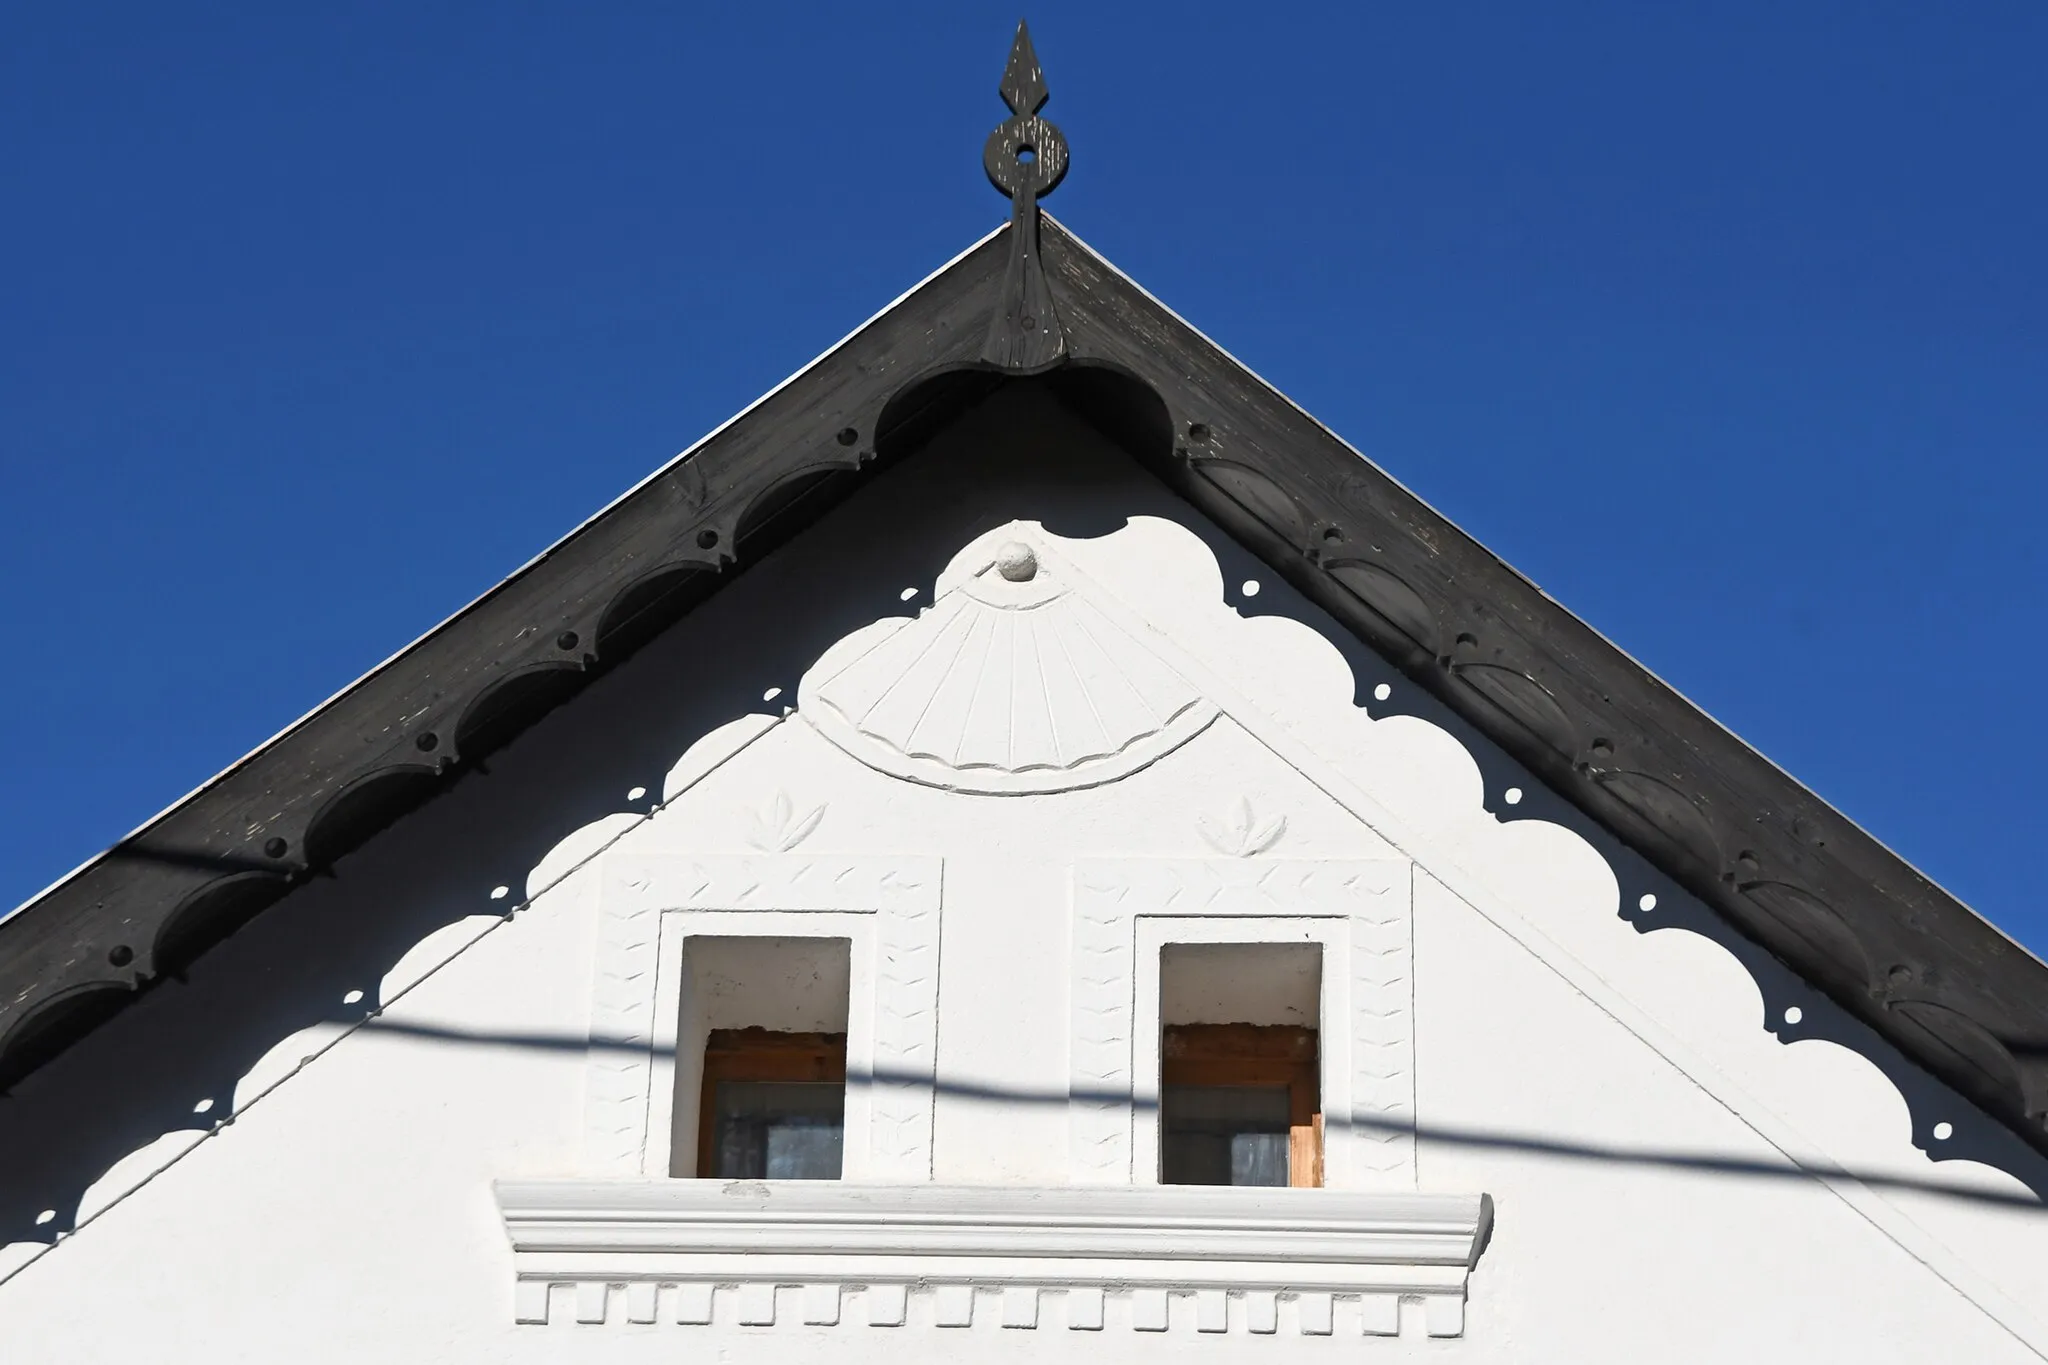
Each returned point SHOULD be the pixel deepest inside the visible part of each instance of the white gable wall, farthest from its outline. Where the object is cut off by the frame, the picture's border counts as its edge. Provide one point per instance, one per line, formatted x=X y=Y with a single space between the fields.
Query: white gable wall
x=1613 y=1091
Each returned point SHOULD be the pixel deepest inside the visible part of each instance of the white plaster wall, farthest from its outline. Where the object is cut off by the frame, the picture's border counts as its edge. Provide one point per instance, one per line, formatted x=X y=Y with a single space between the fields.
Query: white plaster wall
x=1615 y=1091
x=1240 y=983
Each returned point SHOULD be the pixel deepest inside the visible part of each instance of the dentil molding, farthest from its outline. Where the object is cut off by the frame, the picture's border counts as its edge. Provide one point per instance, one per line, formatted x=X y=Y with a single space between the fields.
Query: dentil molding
x=767 y=1253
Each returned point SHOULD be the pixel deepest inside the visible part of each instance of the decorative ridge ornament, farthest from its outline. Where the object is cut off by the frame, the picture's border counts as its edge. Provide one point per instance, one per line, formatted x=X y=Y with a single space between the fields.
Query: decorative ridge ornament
x=1025 y=158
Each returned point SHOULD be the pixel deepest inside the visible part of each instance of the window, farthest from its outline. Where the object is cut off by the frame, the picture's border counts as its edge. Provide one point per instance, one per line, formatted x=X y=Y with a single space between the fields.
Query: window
x=773 y=1106
x=1239 y=1105
x=760 y=1060
x=1240 y=1102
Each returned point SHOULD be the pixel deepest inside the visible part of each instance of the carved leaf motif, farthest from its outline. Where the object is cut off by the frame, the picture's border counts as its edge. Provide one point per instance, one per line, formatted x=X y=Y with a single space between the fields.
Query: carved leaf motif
x=777 y=828
x=1242 y=835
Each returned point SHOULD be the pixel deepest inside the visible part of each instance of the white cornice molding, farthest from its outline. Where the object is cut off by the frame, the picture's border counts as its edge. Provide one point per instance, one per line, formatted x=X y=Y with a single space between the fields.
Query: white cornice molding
x=1317 y=1257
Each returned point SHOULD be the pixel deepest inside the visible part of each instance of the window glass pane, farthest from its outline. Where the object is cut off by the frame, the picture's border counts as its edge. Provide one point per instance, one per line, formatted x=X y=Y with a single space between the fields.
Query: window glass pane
x=1223 y=1135
x=779 y=1130
x=1258 y=1158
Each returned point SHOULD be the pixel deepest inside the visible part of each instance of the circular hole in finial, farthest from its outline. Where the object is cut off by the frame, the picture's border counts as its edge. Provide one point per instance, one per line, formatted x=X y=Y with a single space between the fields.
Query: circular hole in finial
x=427 y=742
x=707 y=539
x=1017 y=562
x=1382 y=692
x=1331 y=535
x=1793 y=1014
x=635 y=793
x=47 y=1216
x=1250 y=588
x=1198 y=431
x=120 y=955
x=1602 y=749
x=1026 y=155
x=1513 y=796
x=1944 y=1131
x=568 y=639
x=274 y=848
x=352 y=998
x=499 y=893
x=1647 y=903
x=848 y=436
x=203 y=1106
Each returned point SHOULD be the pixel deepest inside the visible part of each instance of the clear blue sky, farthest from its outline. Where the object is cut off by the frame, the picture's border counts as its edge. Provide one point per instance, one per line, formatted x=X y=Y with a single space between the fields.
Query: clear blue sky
x=1727 y=323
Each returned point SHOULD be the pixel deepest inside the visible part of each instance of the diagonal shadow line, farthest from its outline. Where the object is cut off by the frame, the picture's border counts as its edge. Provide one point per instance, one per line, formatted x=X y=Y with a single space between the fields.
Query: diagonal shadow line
x=1475 y=1138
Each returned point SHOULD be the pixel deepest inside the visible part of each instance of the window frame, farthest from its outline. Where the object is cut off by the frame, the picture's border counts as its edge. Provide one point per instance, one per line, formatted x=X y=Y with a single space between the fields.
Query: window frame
x=1266 y=1055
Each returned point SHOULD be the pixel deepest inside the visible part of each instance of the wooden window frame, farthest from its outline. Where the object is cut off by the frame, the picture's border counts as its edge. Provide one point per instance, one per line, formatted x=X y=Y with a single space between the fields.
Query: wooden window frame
x=1258 y=1055
x=756 y=1054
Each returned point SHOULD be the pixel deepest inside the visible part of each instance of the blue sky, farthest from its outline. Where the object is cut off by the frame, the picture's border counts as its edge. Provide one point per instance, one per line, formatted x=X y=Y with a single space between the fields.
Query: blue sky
x=1727 y=323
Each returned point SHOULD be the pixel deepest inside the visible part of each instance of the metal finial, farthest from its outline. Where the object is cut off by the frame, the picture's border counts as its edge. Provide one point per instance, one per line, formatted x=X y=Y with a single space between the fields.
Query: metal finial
x=1025 y=158
x=1023 y=87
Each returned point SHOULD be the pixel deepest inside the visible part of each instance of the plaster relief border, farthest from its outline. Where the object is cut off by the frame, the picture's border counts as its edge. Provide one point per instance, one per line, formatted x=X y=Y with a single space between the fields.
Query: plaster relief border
x=761 y=1253
x=653 y=903
x=1361 y=911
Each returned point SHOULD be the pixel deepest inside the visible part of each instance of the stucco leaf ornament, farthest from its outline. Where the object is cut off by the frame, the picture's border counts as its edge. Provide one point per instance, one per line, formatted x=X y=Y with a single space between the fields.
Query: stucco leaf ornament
x=1242 y=835
x=777 y=828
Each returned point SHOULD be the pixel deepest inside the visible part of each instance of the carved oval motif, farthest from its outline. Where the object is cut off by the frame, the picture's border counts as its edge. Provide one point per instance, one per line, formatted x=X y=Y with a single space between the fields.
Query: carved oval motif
x=209 y=915
x=1968 y=1040
x=1266 y=500
x=1662 y=813
x=1528 y=702
x=1391 y=597
x=1815 y=923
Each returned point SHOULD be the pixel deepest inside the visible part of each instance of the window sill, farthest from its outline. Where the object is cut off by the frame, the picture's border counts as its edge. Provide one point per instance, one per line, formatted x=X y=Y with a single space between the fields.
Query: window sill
x=1154 y=1258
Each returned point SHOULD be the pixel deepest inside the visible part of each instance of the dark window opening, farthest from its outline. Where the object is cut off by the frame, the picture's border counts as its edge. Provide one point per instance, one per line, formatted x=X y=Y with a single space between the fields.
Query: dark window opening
x=1239 y=1105
x=774 y=1105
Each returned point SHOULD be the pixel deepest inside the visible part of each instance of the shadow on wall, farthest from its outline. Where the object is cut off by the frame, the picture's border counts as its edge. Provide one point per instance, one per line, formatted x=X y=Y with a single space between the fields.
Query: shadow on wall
x=173 y=1061
x=1425 y=1133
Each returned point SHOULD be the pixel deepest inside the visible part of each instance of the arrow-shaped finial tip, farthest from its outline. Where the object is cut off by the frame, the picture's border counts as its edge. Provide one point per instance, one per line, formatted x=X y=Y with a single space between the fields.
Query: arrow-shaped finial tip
x=1023 y=87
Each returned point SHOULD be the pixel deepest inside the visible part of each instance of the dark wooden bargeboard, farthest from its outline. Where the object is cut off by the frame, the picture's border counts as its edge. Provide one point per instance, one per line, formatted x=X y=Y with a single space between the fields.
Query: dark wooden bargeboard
x=1787 y=869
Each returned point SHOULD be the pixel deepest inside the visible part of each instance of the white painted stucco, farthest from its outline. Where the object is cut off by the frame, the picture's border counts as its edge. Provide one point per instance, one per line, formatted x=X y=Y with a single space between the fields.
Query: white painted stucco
x=1667 y=1178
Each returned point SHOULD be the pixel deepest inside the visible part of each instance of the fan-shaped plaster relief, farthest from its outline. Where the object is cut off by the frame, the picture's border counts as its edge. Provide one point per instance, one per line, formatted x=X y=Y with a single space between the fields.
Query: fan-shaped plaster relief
x=1010 y=683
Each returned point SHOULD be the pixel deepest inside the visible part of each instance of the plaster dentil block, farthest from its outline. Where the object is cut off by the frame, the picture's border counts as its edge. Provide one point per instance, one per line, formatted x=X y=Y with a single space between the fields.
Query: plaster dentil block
x=823 y=1253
